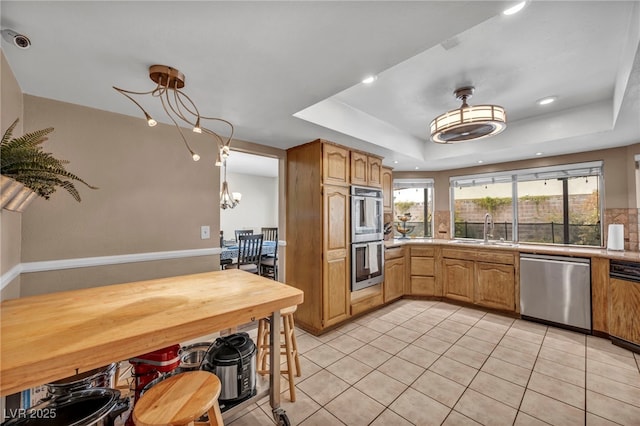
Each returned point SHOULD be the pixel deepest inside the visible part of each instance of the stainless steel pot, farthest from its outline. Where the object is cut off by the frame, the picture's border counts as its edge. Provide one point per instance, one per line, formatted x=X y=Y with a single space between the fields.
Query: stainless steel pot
x=191 y=356
x=89 y=407
x=103 y=377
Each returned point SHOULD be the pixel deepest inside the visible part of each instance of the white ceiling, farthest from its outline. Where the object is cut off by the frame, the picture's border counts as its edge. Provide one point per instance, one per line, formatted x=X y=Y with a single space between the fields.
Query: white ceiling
x=250 y=164
x=259 y=63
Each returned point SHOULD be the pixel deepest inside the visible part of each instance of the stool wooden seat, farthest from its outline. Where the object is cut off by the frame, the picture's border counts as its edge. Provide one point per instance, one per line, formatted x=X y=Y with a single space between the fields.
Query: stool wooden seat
x=289 y=348
x=180 y=400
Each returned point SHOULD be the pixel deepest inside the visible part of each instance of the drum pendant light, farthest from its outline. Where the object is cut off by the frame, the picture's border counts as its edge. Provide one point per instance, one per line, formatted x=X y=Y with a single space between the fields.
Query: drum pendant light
x=468 y=122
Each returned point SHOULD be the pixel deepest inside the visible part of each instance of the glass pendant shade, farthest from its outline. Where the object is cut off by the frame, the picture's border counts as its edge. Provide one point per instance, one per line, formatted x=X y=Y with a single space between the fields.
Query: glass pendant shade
x=228 y=199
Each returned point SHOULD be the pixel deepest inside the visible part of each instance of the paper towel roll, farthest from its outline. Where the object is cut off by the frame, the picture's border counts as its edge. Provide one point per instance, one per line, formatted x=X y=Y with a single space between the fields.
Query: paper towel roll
x=615 y=241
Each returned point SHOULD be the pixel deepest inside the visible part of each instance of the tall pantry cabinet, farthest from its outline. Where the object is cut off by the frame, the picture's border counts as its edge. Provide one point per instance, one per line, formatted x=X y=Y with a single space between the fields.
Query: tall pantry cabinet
x=318 y=234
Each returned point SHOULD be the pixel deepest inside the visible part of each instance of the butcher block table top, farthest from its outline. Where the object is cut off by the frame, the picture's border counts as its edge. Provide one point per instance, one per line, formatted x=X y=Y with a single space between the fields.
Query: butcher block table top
x=49 y=337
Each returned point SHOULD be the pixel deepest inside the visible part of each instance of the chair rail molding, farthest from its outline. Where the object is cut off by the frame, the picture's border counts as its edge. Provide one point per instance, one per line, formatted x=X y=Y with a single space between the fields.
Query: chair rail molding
x=85 y=262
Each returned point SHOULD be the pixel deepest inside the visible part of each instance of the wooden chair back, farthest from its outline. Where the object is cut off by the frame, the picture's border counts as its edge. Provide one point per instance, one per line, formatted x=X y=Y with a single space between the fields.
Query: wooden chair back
x=250 y=249
x=270 y=234
x=240 y=232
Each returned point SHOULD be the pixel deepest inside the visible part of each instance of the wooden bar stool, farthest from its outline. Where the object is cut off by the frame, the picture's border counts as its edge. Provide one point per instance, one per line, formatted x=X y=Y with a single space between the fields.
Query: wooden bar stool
x=180 y=400
x=289 y=348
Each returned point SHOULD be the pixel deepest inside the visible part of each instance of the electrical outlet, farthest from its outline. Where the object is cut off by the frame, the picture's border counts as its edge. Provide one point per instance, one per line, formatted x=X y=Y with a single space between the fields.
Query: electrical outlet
x=205 y=232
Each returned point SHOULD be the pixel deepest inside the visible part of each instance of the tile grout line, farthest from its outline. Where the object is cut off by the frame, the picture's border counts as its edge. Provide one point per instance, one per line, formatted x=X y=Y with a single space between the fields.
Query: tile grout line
x=351 y=385
x=416 y=379
x=526 y=387
x=448 y=316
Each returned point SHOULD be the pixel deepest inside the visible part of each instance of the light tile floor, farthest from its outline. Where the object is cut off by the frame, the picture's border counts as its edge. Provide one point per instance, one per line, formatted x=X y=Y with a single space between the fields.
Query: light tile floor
x=430 y=363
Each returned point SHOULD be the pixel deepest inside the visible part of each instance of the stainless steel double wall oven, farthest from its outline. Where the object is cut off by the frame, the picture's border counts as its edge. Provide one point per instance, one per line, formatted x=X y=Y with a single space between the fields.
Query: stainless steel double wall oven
x=367 y=234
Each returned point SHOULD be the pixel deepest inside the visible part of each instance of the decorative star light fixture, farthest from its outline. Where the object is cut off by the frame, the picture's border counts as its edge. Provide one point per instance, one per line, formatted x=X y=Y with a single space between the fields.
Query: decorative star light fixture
x=468 y=122
x=179 y=107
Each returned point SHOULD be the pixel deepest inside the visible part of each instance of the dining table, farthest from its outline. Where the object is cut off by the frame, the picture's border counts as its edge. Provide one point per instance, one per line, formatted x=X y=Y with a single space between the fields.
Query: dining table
x=230 y=250
x=49 y=337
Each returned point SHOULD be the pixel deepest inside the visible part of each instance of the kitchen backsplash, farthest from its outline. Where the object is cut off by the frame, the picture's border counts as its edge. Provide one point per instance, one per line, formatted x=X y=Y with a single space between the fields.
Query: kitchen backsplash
x=630 y=219
x=443 y=224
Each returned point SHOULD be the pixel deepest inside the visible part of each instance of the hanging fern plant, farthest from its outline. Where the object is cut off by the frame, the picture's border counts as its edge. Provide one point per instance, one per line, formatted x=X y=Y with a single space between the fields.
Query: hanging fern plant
x=24 y=160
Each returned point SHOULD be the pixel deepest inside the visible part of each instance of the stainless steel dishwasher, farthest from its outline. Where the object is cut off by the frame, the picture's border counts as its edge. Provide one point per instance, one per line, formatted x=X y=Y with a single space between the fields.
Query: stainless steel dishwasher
x=556 y=290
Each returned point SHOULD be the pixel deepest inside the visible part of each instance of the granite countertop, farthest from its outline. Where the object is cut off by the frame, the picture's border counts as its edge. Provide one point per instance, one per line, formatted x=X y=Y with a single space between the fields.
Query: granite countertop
x=560 y=250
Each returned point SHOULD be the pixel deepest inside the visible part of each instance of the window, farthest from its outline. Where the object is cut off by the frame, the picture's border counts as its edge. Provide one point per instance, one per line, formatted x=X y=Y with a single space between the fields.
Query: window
x=413 y=201
x=474 y=200
x=555 y=205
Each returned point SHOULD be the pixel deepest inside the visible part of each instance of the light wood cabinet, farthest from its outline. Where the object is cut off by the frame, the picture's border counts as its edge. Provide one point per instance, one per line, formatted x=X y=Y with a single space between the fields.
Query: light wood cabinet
x=374 y=171
x=318 y=239
x=600 y=294
x=624 y=310
x=458 y=279
x=335 y=164
x=484 y=277
x=366 y=170
x=359 y=169
x=394 y=274
x=422 y=272
x=495 y=286
x=387 y=190
x=337 y=295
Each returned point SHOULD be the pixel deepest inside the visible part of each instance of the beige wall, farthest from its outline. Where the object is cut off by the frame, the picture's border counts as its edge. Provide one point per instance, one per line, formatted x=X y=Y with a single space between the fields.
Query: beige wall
x=619 y=178
x=152 y=198
x=10 y=222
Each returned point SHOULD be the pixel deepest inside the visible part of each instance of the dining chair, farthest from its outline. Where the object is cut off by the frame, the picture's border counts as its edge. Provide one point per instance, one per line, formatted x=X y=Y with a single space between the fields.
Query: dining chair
x=249 y=253
x=269 y=264
x=243 y=232
x=223 y=262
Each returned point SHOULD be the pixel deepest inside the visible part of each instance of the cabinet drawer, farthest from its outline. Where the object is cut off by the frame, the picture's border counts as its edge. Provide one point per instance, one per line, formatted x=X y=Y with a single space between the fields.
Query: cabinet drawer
x=495 y=257
x=422 y=266
x=458 y=254
x=422 y=251
x=366 y=303
x=423 y=286
x=393 y=253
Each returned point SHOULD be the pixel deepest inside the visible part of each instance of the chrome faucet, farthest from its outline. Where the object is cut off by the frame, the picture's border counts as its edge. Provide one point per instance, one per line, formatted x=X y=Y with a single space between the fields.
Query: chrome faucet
x=488 y=223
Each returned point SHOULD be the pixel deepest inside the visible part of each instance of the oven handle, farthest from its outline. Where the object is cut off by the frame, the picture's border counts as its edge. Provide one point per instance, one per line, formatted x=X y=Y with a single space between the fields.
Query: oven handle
x=366 y=244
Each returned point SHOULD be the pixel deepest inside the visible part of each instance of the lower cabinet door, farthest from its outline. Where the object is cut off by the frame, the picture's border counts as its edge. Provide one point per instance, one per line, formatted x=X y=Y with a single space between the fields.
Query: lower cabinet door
x=495 y=286
x=624 y=310
x=394 y=273
x=423 y=286
x=458 y=279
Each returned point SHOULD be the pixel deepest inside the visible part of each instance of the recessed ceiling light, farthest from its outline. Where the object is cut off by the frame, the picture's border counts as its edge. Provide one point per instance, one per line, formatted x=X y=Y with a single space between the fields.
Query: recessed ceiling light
x=417 y=168
x=480 y=161
x=370 y=79
x=395 y=161
x=514 y=9
x=538 y=154
x=547 y=100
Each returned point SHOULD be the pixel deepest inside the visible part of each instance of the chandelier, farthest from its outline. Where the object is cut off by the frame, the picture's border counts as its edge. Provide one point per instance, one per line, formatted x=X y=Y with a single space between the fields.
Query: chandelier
x=228 y=199
x=468 y=122
x=179 y=108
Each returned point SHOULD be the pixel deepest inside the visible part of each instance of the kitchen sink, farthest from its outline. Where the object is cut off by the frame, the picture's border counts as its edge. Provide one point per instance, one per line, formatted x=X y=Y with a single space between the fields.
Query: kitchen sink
x=482 y=243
